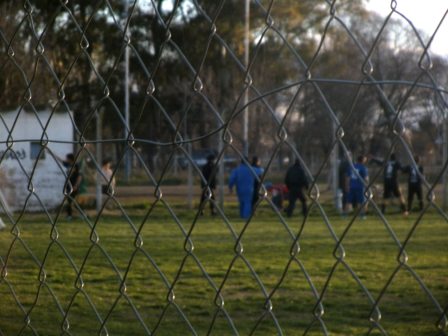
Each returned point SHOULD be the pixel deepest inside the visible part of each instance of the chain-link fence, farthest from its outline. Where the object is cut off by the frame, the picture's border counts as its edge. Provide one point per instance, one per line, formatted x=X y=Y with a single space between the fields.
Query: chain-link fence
x=123 y=123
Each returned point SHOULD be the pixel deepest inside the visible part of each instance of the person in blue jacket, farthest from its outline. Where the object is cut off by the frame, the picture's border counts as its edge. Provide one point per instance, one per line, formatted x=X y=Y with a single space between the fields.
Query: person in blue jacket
x=357 y=178
x=243 y=177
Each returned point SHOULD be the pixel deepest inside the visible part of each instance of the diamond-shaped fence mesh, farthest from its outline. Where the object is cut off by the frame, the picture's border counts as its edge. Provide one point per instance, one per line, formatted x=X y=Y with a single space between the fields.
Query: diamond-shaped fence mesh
x=123 y=124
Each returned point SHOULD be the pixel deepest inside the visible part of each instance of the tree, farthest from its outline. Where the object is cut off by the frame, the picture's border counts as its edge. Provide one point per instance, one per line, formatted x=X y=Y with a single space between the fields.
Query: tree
x=188 y=61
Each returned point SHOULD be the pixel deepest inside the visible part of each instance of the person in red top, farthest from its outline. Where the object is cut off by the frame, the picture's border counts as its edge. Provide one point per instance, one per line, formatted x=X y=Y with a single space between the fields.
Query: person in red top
x=279 y=192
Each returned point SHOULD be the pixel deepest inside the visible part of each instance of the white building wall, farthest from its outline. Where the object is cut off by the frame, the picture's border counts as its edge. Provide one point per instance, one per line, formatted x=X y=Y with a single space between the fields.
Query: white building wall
x=18 y=168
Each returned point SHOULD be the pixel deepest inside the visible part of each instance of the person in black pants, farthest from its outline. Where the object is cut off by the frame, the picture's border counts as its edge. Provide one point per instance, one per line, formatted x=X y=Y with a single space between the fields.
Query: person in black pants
x=414 y=183
x=256 y=165
x=297 y=184
x=391 y=185
x=73 y=182
x=209 y=174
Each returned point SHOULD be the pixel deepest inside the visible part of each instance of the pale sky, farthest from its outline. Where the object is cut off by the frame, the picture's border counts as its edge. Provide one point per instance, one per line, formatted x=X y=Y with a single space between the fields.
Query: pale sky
x=424 y=14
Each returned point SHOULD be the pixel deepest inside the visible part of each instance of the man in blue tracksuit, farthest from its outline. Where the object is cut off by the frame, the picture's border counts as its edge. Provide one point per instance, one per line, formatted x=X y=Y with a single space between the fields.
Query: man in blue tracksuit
x=243 y=178
x=357 y=177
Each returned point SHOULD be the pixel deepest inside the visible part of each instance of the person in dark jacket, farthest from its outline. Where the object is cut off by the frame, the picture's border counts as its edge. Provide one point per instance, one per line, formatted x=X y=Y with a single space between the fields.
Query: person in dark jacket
x=256 y=165
x=391 y=185
x=209 y=179
x=415 y=173
x=297 y=184
x=73 y=182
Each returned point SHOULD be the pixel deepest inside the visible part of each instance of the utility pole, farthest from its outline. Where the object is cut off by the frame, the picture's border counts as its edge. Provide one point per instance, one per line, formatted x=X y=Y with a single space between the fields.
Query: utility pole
x=189 y=166
x=127 y=158
x=99 y=160
x=444 y=159
x=246 y=93
x=335 y=170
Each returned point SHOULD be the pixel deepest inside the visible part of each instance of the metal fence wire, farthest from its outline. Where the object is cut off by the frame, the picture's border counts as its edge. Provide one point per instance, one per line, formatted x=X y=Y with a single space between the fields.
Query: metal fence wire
x=151 y=84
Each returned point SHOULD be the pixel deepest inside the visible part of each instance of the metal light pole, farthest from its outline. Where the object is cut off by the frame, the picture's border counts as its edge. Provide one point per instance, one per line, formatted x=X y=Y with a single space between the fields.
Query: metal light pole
x=127 y=158
x=220 y=171
x=444 y=159
x=335 y=170
x=246 y=93
x=189 y=166
x=99 y=160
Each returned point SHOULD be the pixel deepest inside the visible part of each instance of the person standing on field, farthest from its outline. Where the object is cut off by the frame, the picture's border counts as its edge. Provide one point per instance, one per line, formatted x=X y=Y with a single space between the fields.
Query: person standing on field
x=73 y=183
x=256 y=165
x=209 y=179
x=357 y=178
x=108 y=181
x=297 y=184
x=415 y=173
x=391 y=185
x=243 y=178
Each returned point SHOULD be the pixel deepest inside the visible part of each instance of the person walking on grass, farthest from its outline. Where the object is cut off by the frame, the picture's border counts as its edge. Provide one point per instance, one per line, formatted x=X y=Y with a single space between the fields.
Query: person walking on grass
x=391 y=186
x=209 y=179
x=297 y=185
x=356 y=180
x=73 y=182
x=108 y=181
x=243 y=178
x=415 y=173
x=256 y=165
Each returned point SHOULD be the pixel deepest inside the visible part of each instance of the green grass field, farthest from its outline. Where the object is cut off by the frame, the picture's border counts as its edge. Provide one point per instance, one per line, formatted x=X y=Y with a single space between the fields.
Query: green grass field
x=85 y=268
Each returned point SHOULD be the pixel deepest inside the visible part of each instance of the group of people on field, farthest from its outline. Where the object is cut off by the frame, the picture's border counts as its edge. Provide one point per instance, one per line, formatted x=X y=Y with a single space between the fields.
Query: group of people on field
x=245 y=178
x=354 y=179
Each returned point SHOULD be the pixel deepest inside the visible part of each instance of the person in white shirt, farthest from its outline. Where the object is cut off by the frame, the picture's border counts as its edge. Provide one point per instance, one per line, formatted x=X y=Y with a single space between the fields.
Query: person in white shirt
x=108 y=181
